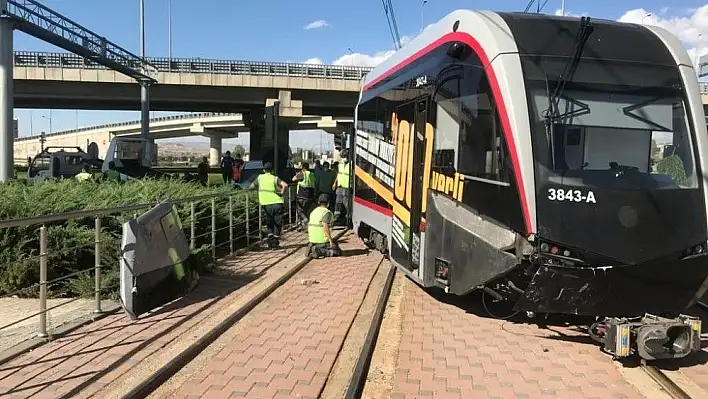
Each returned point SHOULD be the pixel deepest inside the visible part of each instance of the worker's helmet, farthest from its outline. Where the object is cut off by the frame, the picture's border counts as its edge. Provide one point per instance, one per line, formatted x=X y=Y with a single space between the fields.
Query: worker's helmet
x=323 y=199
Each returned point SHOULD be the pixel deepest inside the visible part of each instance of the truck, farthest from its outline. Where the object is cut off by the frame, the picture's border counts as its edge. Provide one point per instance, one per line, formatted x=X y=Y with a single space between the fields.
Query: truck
x=55 y=162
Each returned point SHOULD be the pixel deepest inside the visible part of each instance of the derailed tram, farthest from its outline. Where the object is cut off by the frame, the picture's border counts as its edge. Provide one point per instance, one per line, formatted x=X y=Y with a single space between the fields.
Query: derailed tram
x=554 y=163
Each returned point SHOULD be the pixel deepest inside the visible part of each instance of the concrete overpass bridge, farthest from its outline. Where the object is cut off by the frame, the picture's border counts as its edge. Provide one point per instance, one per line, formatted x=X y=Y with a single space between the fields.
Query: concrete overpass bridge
x=68 y=81
x=216 y=126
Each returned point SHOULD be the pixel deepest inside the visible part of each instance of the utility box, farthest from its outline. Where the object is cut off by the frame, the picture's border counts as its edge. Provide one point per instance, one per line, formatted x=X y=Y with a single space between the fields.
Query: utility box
x=153 y=268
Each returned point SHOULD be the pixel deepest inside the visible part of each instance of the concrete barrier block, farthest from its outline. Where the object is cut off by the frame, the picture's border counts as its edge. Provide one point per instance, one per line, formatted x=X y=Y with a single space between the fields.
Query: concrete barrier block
x=89 y=75
x=53 y=74
x=72 y=75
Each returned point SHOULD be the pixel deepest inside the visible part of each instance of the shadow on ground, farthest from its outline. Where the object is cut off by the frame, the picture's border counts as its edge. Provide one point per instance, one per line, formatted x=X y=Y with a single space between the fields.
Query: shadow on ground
x=63 y=371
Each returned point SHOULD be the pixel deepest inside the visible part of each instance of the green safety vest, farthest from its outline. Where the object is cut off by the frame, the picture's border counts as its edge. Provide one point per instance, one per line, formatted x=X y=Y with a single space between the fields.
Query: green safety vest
x=315 y=229
x=343 y=175
x=267 y=194
x=113 y=174
x=83 y=176
x=307 y=180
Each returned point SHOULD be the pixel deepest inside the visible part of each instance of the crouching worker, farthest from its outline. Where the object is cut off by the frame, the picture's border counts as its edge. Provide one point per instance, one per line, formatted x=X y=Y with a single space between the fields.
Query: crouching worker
x=319 y=233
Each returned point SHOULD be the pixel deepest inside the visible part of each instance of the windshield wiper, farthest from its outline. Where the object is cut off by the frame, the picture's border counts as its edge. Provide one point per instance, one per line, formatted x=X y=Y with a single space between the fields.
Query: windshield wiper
x=551 y=115
x=584 y=31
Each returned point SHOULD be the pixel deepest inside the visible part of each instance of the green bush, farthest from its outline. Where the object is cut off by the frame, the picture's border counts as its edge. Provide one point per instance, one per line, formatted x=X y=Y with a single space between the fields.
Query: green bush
x=672 y=166
x=71 y=244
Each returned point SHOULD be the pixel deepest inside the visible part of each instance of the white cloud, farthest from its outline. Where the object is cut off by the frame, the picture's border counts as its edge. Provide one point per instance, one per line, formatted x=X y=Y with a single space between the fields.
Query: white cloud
x=686 y=27
x=320 y=23
x=569 y=14
x=366 y=60
x=313 y=60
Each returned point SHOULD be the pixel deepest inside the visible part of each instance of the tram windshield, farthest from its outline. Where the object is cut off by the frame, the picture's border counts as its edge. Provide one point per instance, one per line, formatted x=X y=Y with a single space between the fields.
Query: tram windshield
x=616 y=125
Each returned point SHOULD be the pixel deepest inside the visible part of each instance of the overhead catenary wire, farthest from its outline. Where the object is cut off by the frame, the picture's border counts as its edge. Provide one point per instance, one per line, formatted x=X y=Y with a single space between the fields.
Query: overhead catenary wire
x=392 y=25
x=539 y=5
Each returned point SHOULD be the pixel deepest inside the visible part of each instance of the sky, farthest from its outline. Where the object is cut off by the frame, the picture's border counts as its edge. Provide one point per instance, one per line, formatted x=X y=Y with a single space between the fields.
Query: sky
x=312 y=31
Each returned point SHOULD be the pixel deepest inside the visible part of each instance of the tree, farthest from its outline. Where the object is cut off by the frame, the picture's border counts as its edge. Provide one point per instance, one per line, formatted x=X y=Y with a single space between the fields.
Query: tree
x=239 y=151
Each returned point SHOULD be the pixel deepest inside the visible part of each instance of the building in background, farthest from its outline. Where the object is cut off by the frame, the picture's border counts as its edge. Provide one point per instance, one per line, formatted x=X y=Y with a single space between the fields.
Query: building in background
x=15 y=128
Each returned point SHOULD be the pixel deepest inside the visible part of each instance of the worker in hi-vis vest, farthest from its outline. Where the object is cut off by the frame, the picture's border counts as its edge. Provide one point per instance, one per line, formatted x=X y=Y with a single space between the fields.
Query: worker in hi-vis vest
x=85 y=174
x=305 y=192
x=270 y=197
x=341 y=187
x=319 y=233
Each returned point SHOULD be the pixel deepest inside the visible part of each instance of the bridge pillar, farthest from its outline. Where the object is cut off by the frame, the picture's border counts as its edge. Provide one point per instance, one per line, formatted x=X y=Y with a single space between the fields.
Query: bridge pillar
x=6 y=97
x=257 y=133
x=214 y=150
x=261 y=145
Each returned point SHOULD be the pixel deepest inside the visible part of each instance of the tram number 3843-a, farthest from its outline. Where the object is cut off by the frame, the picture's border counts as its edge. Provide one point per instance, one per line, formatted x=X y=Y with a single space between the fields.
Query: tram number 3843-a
x=559 y=194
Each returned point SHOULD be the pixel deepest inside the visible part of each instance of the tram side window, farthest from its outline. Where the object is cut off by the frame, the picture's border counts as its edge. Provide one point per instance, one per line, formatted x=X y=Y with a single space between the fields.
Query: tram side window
x=468 y=139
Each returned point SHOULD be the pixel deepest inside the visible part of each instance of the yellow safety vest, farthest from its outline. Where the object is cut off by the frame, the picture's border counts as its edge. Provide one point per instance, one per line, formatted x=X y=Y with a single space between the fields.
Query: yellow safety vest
x=307 y=180
x=343 y=175
x=83 y=176
x=267 y=194
x=315 y=229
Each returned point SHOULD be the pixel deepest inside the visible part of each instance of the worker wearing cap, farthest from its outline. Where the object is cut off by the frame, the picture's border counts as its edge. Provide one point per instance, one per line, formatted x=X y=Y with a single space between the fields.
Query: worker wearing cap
x=270 y=197
x=305 y=192
x=341 y=187
x=318 y=230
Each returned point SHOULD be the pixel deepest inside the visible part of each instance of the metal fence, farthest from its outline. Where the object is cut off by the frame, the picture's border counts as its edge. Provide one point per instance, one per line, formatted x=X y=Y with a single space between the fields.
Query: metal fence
x=216 y=226
x=199 y=65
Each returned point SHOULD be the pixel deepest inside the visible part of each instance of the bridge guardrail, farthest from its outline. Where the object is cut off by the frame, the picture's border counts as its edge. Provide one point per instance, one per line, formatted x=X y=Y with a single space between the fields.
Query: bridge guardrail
x=127 y=123
x=199 y=65
x=222 y=222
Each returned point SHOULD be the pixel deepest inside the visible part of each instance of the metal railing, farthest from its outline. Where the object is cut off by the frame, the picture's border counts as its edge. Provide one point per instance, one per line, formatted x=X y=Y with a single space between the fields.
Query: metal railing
x=46 y=24
x=703 y=87
x=128 y=123
x=220 y=223
x=199 y=65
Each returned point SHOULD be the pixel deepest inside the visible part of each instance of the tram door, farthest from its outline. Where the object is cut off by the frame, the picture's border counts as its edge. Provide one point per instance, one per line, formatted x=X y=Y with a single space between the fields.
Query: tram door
x=408 y=190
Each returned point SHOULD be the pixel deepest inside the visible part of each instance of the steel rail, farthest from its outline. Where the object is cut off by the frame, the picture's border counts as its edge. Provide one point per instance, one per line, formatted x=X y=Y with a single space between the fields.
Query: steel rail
x=667 y=384
x=361 y=369
x=168 y=370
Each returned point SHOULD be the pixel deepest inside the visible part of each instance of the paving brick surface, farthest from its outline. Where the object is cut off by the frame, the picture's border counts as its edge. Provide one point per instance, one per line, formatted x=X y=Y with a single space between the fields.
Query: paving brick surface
x=447 y=351
x=99 y=353
x=290 y=342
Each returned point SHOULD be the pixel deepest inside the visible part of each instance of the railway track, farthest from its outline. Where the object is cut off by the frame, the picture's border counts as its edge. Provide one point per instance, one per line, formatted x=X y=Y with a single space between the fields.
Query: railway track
x=667 y=384
x=357 y=380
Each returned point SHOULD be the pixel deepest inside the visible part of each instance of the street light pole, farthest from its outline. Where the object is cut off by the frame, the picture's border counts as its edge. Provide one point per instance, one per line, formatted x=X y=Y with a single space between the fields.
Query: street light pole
x=563 y=7
x=422 y=15
x=169 y=29
x=144 y=97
